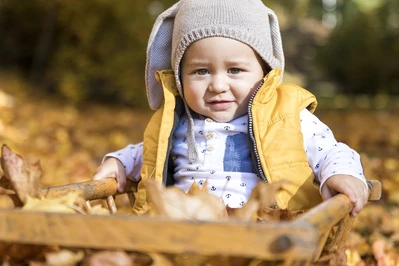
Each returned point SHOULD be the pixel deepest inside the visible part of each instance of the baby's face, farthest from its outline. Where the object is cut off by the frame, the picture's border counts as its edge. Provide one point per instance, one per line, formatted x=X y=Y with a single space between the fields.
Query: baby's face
x=219 y=76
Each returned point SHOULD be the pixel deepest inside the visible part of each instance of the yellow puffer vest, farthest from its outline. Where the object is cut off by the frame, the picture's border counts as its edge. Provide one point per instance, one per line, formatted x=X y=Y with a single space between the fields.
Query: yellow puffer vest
x=274 y=127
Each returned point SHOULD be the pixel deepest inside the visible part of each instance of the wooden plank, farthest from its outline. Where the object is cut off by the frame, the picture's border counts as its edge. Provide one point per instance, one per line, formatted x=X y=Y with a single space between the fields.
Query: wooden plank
x=148 y=234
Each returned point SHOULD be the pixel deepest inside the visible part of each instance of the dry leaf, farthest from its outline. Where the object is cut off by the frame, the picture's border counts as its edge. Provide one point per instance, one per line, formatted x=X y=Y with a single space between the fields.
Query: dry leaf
x=260 y=205
x=23 y=177
x=357 y=242
x=6 y=100
x=5 y=186
x=23 y=252
x=352 y=257
x=64 y=257
x=378 y=247
x=195 y=188
x=161 y=260
x=65 y=204
x=174 y=203
x=109 y=258
x=97 y=210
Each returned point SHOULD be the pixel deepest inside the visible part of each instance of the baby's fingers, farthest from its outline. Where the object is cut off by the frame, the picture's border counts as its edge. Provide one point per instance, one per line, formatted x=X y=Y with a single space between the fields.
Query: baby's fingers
x=361 y=200
x=357 y=208
x=121 y=182
x=102 y=174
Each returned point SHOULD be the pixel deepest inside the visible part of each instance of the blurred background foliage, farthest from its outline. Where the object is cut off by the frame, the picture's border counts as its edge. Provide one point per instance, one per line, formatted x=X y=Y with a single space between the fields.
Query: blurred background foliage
x=94 y=50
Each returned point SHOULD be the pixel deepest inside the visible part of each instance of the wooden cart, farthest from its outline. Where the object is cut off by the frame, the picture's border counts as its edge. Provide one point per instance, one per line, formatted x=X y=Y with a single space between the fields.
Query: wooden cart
x=323 y=229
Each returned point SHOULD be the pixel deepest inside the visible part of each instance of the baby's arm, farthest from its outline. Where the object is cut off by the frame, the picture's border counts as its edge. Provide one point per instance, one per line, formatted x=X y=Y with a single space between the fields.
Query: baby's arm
x=122 y=163
x=336 y=166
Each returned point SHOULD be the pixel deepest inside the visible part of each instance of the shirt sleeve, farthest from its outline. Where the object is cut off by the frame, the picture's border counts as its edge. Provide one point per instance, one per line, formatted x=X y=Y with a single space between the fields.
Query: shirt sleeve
x=132 y=159
x=326 y=156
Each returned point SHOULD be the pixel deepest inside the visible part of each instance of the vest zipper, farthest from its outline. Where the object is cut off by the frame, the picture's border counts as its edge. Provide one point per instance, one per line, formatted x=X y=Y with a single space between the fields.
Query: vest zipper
x=254 y=149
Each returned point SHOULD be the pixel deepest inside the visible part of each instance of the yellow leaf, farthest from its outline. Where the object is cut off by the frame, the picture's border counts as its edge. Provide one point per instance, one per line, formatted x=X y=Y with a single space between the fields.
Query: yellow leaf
x=64 y=257
x=63 y=204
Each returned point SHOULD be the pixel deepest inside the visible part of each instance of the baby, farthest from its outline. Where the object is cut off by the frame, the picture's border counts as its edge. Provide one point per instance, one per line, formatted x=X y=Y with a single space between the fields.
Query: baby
x=214 y=76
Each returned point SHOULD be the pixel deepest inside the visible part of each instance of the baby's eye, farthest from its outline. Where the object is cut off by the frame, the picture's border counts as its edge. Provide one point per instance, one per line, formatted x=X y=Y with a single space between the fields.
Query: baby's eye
x=234 y=71
x=201 y=71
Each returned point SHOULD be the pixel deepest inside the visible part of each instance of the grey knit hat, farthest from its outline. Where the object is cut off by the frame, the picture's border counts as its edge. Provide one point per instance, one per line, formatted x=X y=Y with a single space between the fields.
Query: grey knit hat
x=187 y=21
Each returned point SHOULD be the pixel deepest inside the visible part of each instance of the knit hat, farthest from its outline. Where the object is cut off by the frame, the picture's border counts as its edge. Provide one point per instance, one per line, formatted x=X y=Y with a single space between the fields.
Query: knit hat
x=187 y=21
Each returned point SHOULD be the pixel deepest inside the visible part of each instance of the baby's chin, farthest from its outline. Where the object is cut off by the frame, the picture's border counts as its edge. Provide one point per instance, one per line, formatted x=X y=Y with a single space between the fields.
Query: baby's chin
x=223 y=118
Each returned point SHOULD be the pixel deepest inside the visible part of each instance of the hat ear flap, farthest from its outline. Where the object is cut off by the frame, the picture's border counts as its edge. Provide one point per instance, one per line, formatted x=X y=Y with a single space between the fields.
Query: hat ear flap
x=278 y=52
x=159 y=52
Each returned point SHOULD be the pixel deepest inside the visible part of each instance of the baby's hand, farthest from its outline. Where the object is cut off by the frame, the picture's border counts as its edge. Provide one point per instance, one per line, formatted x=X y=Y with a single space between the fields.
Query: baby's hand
x=112 y=168
x=352 y=187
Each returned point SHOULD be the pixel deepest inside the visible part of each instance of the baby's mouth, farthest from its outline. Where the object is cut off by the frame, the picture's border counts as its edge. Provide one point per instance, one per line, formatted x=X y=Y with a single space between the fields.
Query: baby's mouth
x=220 y=105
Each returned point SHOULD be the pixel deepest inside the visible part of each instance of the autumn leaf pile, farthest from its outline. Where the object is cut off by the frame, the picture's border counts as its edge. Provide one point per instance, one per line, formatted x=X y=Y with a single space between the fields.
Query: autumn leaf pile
x=22 y=178
x=70 y=142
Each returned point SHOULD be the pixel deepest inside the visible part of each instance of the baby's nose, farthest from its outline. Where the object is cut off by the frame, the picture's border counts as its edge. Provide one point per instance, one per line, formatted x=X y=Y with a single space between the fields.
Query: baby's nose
x=218 y=84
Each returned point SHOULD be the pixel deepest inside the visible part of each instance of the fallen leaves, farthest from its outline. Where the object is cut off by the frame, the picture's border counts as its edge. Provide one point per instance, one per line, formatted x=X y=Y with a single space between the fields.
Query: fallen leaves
x=70 y=203
x=198 y=204
x=172 y=202
x=22 y=179
x=374 y=238
x=71 y=144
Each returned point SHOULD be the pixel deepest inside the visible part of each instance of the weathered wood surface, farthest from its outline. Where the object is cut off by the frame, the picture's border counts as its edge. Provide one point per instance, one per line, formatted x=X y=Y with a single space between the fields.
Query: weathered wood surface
x=375 y=190
x=93 y=189
x=149 y=234
x=302 y=239
x=330 y=212
x=334 y=211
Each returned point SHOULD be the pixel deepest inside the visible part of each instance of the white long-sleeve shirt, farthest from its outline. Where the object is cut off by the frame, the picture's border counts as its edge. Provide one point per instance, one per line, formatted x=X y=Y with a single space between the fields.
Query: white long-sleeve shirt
x=225 y=162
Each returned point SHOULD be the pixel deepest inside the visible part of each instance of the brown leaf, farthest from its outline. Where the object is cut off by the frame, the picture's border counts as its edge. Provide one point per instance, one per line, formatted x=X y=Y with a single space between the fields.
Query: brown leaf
x=24 y=252
x=5 y=186
x=110 y=258
x=378 y=247
x=174 y=203
x=23 y=177
x=260 y=205
x=5 y=183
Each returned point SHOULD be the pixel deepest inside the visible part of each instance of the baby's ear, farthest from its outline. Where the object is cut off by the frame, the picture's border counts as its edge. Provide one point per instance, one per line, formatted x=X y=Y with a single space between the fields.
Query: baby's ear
x=159 y=50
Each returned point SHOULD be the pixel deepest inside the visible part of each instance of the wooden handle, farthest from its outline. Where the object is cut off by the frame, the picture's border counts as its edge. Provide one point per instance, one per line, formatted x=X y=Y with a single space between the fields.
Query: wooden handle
x=327 y=214
x=334 y=211
x=91 y=190
x=375 y=190
x=330 y=212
